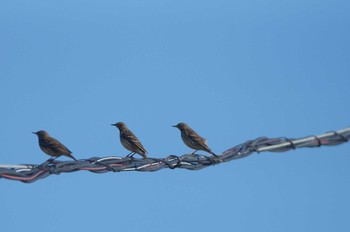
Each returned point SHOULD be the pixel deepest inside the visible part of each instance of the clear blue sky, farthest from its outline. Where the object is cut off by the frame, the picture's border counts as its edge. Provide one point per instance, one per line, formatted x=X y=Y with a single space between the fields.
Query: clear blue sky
x=233 y=70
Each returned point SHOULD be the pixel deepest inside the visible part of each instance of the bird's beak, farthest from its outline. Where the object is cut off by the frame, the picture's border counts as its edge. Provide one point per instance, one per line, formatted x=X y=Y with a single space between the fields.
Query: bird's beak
x=174 y=126
x=34 y=132
x=112 y=124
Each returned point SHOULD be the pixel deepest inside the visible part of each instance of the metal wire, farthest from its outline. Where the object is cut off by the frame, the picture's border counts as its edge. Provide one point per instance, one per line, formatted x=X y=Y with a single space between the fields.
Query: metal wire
x=29 y=173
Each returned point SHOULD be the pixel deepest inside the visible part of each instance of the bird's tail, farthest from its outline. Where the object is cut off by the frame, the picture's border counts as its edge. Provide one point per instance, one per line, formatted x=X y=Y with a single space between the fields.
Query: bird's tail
x=214 y=154
x=220 y=160
x=71 y=156
x=148 y=161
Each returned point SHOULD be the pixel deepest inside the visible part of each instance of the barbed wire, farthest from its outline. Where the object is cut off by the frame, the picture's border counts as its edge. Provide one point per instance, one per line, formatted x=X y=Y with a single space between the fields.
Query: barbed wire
x=29 y=173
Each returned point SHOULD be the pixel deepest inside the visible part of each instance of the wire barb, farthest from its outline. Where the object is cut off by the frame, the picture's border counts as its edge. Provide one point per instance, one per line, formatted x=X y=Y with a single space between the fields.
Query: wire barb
x=29 y=173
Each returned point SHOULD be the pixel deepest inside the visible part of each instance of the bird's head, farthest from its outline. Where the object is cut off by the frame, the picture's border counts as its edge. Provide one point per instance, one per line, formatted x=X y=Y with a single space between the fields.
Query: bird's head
x=181 y=126
x=41 y=133
x=119 y=125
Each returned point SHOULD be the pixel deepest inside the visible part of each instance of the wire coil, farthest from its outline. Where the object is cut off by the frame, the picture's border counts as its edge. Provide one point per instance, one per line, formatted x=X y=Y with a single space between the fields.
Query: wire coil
x=29 y=173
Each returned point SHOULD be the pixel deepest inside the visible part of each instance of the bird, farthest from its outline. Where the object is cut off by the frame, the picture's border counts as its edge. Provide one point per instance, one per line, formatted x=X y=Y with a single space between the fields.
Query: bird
x=52 y=146
x=192 y=139
x=130 y=141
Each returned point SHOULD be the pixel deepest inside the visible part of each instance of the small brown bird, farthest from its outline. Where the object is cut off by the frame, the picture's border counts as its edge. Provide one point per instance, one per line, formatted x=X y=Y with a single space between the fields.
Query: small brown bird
x=130 y=141
x=192 y=139
x=52 y=146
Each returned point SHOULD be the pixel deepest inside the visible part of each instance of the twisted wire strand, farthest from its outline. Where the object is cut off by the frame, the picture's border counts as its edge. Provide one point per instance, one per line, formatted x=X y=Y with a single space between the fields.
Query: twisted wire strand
x=29 y=173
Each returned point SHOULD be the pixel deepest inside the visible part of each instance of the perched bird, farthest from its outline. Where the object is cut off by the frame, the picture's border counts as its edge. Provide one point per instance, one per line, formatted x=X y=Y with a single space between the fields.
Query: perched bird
x=52 y=146
x=130 y=141
x=192 y=139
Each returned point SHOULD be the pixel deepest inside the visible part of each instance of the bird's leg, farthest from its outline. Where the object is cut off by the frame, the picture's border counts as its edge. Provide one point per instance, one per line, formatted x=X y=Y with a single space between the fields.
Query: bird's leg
x=52 y=159
x=193 y=152
x=130 y=155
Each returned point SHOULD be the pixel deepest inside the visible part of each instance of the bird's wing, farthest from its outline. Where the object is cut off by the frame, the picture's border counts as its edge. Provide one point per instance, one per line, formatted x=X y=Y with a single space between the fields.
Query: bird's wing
x=55 y=145
x=133 y=141
x=196 y=139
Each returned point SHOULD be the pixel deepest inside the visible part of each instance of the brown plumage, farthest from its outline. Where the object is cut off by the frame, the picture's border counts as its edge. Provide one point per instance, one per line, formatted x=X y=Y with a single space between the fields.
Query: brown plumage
x=192 y=139
x=52 y=146
x=130 y=141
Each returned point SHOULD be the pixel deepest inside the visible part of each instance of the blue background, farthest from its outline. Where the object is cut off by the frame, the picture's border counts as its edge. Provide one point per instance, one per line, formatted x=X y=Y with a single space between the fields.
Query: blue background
x=233 y=70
